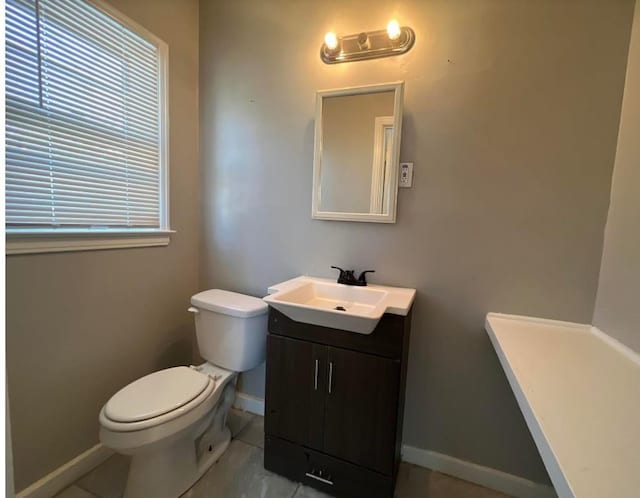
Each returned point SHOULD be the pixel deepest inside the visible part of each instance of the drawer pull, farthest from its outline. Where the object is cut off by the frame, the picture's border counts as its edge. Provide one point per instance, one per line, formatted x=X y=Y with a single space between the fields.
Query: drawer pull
x=321 y=479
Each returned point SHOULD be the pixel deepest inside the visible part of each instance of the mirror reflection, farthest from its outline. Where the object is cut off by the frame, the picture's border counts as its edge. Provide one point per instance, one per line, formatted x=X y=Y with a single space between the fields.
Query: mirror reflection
x=356 y=159
x=357 y=138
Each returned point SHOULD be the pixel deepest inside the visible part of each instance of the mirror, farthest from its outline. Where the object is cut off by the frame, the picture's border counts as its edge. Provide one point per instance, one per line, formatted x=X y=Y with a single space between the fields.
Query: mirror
x=357 y=148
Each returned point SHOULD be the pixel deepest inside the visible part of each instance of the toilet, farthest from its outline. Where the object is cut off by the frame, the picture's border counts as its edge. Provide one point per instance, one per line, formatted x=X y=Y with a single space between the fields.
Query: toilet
x=173 y=422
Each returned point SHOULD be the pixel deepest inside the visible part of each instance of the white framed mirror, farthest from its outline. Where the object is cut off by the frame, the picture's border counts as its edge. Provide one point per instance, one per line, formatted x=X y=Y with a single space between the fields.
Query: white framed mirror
x=357 y=150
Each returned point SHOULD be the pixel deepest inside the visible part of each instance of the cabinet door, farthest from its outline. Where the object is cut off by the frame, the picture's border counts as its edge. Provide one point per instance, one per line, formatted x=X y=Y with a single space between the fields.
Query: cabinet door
x=295 y=390
x=361 y=408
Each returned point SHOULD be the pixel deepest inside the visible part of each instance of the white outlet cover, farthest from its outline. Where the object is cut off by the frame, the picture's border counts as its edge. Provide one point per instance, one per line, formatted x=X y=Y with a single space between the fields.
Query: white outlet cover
x=406 y=175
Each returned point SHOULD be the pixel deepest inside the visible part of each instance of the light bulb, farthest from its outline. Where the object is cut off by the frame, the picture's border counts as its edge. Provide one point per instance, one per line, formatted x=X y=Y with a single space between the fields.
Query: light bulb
x=393 y=30
x=331 y=40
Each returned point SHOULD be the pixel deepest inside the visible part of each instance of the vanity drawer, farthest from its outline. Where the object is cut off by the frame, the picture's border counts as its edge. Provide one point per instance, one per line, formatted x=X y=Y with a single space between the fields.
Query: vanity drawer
x=327 y=474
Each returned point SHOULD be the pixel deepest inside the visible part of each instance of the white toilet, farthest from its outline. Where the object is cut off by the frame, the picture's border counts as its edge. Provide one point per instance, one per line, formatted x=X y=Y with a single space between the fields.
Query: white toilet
x=173 y=422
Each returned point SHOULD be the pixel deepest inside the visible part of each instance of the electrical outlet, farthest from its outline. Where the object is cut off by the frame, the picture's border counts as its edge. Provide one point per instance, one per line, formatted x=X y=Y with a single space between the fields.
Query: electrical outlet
x=406 y=175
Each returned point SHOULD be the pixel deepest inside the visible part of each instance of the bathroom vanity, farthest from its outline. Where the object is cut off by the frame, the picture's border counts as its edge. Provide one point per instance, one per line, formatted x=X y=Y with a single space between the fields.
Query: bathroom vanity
x=337 y=352
x=335 y=398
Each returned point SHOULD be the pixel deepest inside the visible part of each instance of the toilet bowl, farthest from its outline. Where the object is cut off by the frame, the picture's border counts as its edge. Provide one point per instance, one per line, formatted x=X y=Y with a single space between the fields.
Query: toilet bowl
x=173 y=422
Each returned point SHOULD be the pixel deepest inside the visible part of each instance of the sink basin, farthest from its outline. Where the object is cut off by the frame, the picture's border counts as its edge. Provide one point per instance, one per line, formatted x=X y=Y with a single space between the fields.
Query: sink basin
x=324 y=302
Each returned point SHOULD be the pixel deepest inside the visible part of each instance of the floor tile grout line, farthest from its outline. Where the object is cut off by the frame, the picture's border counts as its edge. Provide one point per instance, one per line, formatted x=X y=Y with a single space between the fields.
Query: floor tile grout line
x=77 y=485
x=87 y=490
x=239 y=434
x=250 y=443
x=295 y=491
x=246 y=427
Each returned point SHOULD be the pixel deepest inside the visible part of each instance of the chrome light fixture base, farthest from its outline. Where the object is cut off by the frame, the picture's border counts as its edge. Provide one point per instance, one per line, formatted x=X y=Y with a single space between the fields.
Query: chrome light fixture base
x=368 y=45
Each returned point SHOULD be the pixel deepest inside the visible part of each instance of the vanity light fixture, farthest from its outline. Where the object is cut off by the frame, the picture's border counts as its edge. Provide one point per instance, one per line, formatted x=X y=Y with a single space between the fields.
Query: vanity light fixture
x=394 y=40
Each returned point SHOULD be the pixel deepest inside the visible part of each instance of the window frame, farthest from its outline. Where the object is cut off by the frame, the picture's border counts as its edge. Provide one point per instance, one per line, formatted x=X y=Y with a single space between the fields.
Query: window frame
x=43 y=240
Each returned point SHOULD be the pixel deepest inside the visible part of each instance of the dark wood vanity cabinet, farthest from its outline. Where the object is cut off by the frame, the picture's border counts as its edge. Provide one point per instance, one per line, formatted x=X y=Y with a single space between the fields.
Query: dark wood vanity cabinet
x=334 y=405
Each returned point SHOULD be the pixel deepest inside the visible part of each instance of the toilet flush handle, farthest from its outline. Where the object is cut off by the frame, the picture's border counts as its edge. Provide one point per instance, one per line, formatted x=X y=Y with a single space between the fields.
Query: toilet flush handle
x=193 y=310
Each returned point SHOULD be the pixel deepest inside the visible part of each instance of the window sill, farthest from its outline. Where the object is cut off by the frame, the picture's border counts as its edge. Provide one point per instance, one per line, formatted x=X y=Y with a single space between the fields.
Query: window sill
x=34 y=243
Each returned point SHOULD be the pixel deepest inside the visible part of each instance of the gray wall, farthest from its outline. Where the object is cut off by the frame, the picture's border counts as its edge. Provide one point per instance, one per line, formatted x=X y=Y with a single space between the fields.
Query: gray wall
x=617 y=309
x=82 y=325
x=511 y=118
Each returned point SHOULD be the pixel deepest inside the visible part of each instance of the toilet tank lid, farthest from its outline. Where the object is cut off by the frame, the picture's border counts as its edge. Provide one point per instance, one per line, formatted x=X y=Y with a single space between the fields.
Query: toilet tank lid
x=229 y=303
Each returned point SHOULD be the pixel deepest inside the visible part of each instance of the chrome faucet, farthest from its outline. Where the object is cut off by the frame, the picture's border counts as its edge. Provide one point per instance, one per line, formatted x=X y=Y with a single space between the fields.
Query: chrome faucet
x=348 y=277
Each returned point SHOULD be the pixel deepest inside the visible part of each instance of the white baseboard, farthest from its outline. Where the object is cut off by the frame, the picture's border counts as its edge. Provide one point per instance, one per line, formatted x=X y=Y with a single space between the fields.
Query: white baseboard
x=248 y=403
x=484 y=476
x=67 y=474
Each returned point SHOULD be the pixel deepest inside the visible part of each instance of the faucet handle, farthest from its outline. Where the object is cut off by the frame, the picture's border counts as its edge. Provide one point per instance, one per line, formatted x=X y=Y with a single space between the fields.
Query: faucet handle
x=363 y=276
x=342 y=272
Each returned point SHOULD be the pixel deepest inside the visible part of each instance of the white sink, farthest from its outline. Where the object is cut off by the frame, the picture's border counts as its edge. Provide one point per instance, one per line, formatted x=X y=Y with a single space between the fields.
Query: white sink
x=320 y=301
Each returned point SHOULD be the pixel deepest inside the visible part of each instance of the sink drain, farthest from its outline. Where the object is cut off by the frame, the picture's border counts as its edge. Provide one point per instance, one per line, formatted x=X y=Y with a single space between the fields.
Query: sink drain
x=340 y=308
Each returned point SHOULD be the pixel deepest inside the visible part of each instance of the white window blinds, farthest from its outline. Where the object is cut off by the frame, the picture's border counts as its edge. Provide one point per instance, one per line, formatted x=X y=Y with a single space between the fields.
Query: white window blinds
x=84 y=120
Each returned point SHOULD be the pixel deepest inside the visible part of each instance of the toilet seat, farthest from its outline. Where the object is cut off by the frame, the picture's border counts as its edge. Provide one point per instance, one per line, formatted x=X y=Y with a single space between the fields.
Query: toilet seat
x=161 y=407
x=156 y=394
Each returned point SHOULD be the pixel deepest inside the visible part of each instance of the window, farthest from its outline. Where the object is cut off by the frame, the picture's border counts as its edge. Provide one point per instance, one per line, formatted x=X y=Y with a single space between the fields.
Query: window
x=86 y=144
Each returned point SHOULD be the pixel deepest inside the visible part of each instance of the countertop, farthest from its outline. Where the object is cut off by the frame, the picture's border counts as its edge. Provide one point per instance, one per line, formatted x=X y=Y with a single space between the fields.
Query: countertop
x=579 y=391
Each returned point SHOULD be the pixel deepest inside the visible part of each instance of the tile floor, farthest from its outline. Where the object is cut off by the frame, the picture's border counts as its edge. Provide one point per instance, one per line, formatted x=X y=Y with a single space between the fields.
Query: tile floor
x=240 y=474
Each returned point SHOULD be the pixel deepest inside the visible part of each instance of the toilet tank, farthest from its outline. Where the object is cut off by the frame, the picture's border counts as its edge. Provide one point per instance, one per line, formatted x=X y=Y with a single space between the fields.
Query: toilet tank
x=231 y=329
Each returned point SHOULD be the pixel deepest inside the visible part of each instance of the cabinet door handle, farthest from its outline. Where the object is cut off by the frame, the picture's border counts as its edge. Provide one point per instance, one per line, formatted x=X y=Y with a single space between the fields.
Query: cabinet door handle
x=315 y=378
x=330 y=375
x=326 y=481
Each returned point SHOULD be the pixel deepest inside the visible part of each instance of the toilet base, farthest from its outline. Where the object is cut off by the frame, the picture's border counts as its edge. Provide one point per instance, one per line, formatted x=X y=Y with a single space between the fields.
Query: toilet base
x=170 y=470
